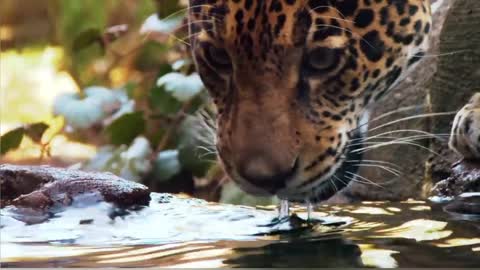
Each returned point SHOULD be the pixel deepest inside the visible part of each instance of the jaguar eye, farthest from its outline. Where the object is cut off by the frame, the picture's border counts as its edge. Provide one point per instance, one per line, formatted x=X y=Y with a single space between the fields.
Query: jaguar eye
x=322 y=59
x=218 y=58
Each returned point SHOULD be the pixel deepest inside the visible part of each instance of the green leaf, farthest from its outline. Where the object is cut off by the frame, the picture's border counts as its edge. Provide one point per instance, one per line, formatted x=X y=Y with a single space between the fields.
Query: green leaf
x=87 y=38
x=130 y=89
x=162 y=102
x=126 y=128
x=182 y=87
x=35 y=131
x=166 y=165
x=11 y=140
x=151 y=55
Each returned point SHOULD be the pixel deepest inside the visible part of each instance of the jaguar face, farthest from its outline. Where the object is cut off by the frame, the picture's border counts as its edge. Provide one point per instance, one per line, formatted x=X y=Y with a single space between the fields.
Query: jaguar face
x=293 y=82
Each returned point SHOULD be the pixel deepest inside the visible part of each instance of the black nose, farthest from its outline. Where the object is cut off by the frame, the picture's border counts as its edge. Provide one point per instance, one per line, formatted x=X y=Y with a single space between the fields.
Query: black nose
x=265 y=175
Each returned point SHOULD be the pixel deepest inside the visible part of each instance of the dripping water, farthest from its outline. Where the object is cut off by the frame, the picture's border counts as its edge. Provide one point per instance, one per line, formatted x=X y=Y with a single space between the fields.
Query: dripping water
x=309 y=210
x=283 y=209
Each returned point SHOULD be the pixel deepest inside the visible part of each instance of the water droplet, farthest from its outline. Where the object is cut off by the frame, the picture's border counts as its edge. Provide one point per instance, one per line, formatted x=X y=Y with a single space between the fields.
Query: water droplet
x=309 y=210
x=283 y=209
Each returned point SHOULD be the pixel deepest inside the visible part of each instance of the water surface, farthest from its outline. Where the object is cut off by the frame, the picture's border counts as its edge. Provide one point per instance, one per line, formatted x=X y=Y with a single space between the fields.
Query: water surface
x=185 y=232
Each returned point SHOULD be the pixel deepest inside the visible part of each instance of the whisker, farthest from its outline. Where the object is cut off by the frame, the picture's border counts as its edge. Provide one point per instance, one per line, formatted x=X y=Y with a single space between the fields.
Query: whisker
x=378 y=145
x=426 y=133
x=189 y=36
x=399 y=110
x=207 y=151
x=197 y=21
x=353 y=177
x=390 y=170
x=333 y=183
x=331 y=7
x=340 y=180
x=396 y=170
x=333 y=17
x=439 y=55
x=413 y=117
x=413 y=138
x=393 y=140
x=184 y=10
x=381 y=162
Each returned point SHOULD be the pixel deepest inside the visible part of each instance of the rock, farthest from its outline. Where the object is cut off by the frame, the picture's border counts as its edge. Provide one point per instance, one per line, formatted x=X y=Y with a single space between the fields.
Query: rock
x=42 y=187
x=409 y=93
x=457 y=77
x=15 y=181
x=443 y=82
x=465 y=178
x=465 y=207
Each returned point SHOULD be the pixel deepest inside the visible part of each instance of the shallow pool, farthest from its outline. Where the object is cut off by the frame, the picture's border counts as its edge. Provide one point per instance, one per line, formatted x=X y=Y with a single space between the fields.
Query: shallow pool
x=184 y=232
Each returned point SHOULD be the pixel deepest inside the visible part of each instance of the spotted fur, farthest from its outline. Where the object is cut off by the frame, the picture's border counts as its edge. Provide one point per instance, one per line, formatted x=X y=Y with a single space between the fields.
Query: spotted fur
x=293 y=81
x=465 y=135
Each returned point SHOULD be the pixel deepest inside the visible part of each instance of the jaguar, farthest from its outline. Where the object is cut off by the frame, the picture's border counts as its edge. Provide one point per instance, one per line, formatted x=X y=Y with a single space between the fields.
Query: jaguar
x=293 y=82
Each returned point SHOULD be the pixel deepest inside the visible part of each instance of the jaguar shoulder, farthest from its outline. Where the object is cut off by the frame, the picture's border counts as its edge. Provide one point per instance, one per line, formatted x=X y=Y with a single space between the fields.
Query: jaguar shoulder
x=465 y=134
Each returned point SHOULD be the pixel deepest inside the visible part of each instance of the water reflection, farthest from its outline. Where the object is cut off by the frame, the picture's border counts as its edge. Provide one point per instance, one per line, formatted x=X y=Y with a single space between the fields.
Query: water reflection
x=336 y=252
x=182 y=232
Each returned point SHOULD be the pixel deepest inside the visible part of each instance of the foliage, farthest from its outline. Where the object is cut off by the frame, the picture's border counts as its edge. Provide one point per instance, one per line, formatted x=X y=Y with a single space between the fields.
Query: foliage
x=12 y=139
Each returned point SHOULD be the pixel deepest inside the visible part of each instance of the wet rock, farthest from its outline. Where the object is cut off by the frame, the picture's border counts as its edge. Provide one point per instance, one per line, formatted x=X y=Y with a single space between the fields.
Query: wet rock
x=465 y=207
x=41 y=187
x=456 y=80
x=15 y=181
x=465 y=178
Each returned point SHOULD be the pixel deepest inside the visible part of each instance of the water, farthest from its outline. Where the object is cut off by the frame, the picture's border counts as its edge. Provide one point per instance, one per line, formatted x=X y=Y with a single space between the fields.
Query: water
x=283 y=209
x=183 y=232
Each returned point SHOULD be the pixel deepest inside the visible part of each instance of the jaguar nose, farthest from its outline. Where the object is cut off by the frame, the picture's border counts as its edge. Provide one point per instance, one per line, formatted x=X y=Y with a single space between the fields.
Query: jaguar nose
x=265 y=174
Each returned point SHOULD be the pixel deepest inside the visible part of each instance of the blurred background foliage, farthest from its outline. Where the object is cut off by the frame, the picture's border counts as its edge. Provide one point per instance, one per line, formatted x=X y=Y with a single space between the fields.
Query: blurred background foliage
x=109 y=86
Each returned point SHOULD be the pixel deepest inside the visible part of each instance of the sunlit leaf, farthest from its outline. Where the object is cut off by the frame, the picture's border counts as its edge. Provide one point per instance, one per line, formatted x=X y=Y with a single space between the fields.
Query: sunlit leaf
x=126 y=128
x=87 y=38
x=182 y=87
x=114 y=32
x=35 y=131
x=127 y=162
x=154 y=24
x=98 y=103
x=179 y=64
x=11 y=140
x=167 y=165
